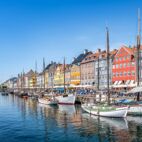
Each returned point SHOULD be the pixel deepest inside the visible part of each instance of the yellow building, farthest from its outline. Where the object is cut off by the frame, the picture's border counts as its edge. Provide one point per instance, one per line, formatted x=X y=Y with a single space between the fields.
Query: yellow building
x=46 y=79
x=59 y=76
x=75 y=74
x=76 y=70
x=30 y=80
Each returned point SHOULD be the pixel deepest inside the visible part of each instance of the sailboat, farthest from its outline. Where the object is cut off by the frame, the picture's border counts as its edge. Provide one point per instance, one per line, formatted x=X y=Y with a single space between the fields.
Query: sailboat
x=67 y=99
x=48 y=100
x=106 y=110
x=136 y=108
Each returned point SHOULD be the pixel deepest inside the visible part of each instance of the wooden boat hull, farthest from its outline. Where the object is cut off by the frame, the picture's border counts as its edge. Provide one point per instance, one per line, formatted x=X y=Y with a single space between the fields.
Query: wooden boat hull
x=68 y=100
x=118 y=112
x=47 y=102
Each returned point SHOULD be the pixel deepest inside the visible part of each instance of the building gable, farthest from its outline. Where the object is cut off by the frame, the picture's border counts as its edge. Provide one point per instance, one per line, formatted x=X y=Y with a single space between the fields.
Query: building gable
x=124 y=51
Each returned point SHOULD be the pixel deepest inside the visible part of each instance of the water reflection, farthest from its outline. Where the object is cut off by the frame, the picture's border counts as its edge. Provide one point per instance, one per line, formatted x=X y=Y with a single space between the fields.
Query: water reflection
x=32 y=121
x=117 y=123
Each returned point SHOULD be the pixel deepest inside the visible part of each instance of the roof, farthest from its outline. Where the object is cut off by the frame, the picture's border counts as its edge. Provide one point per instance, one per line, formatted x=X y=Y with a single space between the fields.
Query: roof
x=94 y=56
x=80 y=58
x=13 y=79
x=129 y=50
x=49 y=65
x=67 y=67
x=30 y=73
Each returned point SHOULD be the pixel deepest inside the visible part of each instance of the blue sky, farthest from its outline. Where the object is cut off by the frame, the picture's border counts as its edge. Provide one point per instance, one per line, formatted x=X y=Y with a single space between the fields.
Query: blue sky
x=33 y=29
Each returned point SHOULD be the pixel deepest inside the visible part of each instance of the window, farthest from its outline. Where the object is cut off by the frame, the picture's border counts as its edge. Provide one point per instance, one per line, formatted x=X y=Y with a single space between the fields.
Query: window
x=133 y=64
x=120 y=74
x=125 y=73
x=133 y=73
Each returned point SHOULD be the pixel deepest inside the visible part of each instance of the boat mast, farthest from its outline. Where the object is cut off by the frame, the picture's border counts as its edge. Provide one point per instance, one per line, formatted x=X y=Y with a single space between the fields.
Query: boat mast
x=138 y=50
x=21 y=81
x=36 y=75
x=64 y=77
x=52 y=75
x=108 y=90
x=44 y=74
x=98 y=86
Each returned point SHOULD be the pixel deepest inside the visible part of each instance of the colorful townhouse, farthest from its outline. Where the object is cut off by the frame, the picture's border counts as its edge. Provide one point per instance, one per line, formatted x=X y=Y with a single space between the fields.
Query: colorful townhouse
x=11 y=83
x=51 y=73
x=124 y=69
x=30 y=80
x=59 y=76
x=76 y=69
x=40 y=80
x=88 y=70
x=67 y=74
x=101 y=69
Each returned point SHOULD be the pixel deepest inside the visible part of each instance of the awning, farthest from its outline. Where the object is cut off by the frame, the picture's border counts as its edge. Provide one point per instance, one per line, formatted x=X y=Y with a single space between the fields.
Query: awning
x=115 y=83
x=119 y=82
x=135 y=90
x=132 y=83
x=127 y=82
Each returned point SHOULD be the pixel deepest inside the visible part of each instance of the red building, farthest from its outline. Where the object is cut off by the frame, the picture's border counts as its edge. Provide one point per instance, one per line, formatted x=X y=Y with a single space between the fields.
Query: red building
x=124 y=68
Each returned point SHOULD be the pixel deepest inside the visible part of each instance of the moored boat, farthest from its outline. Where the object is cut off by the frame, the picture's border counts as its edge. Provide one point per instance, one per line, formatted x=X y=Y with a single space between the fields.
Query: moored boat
x=66 y=99
x=135 y=110
x=48 y=101
x=105 y=111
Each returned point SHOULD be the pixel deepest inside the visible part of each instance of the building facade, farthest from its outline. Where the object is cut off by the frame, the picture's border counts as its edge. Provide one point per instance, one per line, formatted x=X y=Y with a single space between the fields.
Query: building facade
x=124 y=68
x=88 y=70
x=30 y=80
x=101 y=69
x=59 y=76
x=67 y=75
x=76 y=68
x=51 y=73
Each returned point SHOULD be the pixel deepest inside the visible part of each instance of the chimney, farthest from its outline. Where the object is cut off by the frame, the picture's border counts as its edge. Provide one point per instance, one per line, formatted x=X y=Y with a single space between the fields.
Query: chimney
x=99 y=50
x=85 y=51
x=73 y=59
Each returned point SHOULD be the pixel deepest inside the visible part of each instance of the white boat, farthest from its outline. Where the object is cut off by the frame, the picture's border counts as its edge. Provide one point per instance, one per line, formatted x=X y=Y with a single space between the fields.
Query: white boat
x=135 y=110
x=66 y=99
x=105 y=111
x=51 y=101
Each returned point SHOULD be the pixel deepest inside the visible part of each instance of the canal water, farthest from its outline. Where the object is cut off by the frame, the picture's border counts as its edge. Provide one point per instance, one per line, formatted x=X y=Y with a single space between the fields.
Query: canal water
x=24 y=120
